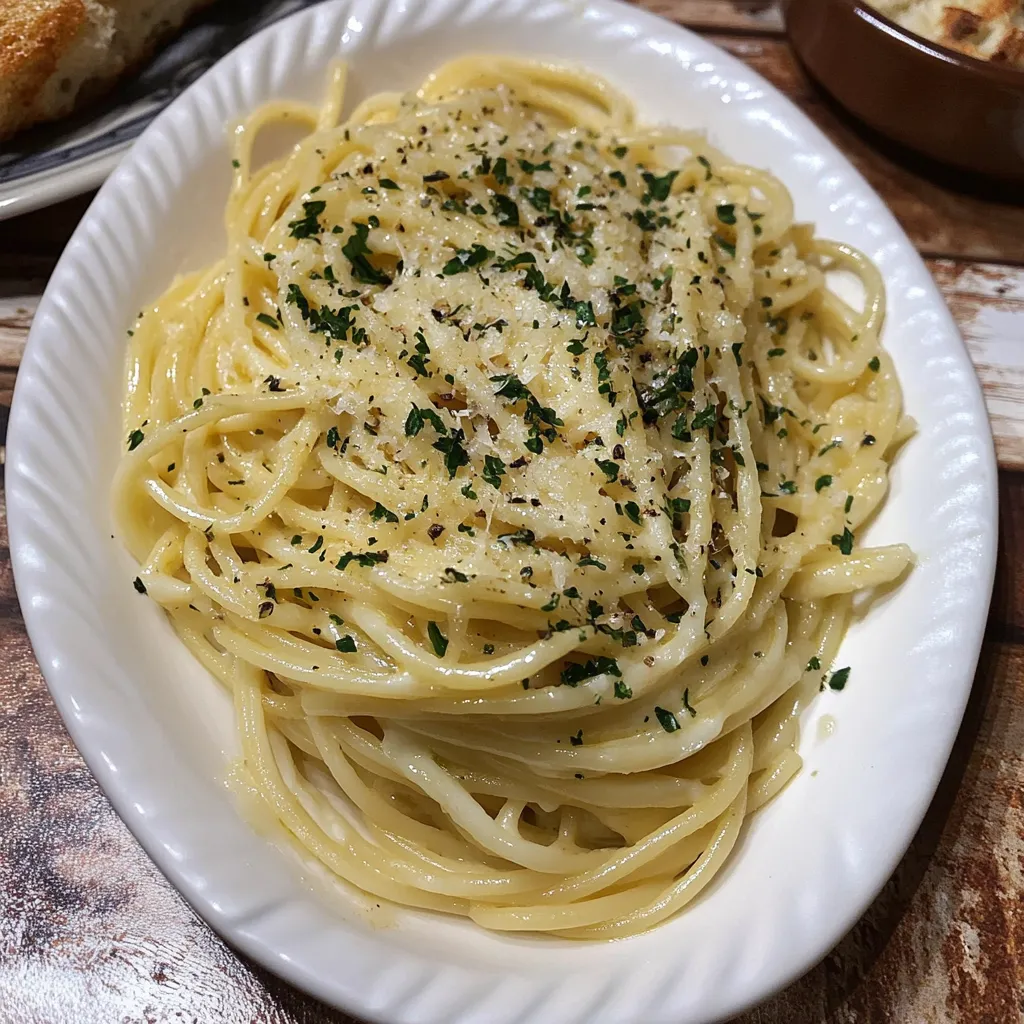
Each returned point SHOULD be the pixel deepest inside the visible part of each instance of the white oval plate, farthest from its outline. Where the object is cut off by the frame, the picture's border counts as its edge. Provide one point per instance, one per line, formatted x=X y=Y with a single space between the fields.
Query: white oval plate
x=157 y=731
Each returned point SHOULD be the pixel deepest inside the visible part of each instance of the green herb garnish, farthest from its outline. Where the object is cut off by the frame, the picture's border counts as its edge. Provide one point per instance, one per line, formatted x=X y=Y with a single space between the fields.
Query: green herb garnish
x=574 y=674
x=494 y=470
x=367 y=559
x=466 y=259
x=839 y=678
x=308 y=224
x=379 y=512
x=659 y=188
x=843 y=541
x=668 y=721
x=356 y=251
x=505 y=210
x=437 y=639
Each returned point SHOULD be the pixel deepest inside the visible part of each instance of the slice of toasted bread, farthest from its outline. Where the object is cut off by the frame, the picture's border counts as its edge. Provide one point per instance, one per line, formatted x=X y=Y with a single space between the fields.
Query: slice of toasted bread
x=56 y=54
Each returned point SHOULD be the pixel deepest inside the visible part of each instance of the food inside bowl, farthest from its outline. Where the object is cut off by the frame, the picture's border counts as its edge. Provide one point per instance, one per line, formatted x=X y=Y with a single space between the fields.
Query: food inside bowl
x=988 y=29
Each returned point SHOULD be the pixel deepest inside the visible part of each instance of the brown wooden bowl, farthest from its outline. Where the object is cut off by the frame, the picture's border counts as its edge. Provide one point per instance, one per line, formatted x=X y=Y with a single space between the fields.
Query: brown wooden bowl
x=961 y=111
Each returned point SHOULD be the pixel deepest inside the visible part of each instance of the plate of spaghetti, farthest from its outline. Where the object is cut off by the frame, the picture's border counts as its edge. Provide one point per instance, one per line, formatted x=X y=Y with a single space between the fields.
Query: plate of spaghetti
x=504 y=513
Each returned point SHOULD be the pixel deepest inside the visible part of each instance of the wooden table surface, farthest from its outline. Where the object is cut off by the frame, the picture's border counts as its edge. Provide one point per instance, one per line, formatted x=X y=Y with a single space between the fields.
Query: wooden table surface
x=91 y=933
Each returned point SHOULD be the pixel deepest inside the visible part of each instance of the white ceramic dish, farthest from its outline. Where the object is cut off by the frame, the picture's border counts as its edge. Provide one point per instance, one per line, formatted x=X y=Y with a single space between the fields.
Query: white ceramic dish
x=157 y=731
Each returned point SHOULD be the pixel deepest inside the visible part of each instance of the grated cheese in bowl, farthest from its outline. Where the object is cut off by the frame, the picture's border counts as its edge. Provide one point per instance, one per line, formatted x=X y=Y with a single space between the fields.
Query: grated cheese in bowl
x=988 y=29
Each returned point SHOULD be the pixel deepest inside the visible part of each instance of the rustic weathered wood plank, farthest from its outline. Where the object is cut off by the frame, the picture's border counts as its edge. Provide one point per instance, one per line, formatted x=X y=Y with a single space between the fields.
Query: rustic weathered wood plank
x=986 y=299
x=16 y=313
x=988 y=303
x=721 y=15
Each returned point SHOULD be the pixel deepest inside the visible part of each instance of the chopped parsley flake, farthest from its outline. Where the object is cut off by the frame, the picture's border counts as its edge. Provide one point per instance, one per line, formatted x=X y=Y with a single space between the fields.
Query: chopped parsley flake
x=574 y=674
x=530 y=168
x=523 y=536
x=839 y=678
x=726 y=246
x=505 y=210
x=494 y=470
x=843 y=541
x=727 y=213
x=585 y=315
x=379 y=512
x=466 y=259
x=308 y=224
x=437 y=639
x=455 y=455
x=659 y=188
x=366 y=559
x=706 y=419
x=668 y=721
x=356 y=251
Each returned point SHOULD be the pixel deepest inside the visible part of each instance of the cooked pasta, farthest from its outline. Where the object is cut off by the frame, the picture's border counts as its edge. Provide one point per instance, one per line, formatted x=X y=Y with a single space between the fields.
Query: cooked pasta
x=509 y=470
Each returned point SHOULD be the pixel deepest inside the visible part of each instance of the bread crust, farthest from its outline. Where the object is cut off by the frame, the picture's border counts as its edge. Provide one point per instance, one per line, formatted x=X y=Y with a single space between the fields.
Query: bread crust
x=57 y=54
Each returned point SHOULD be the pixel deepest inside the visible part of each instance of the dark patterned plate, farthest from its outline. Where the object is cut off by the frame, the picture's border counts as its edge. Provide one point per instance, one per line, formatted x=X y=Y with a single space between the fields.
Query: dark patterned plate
x=56 y=161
